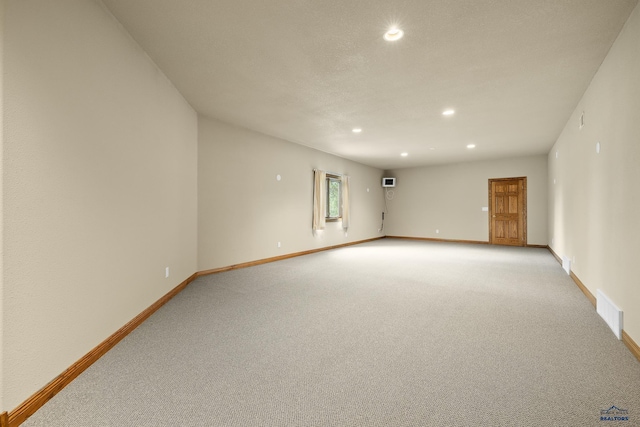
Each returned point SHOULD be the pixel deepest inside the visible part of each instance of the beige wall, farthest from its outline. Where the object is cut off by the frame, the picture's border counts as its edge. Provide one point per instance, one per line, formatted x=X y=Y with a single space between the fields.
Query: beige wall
x=449 y=198
x=595 y=200
x=2 y=311
x=100 y=187
x=244 y=211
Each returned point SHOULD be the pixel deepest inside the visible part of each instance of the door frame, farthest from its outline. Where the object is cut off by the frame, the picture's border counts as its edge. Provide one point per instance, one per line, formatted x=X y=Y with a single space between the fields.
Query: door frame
x=524 y=207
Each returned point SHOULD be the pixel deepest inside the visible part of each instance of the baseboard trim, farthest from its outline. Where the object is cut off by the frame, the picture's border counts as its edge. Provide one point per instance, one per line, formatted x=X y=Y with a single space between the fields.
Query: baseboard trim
x=280 y=257
x=583 y=288
x=35 y=402
x=473 y=242
x=631 y=345
x=576 y=280
x=431 y=239
x=626 y=339
x=555 y=255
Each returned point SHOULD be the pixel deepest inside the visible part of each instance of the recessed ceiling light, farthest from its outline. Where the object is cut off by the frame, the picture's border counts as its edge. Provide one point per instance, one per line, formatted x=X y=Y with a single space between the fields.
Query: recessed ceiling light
x=357 y=130
x=393 y=34
x=404 y=154
x=448 y=112
x=470 y=146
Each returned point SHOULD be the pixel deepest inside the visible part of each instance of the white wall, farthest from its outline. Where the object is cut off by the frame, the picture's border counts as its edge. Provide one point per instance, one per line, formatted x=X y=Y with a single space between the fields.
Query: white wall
x=100 y=187
x=595 y=200
x=449 y=198
x=244 y=211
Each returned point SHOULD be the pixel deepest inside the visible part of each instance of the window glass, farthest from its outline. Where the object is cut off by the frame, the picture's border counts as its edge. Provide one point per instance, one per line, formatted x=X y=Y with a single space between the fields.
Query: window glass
x=334 y=184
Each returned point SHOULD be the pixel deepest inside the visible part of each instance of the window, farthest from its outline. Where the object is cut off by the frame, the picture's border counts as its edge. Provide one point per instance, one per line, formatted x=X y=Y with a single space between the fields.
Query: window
x=334 y=193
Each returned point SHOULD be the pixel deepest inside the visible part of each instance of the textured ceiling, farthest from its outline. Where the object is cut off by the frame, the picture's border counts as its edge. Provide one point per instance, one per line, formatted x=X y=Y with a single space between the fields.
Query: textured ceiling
x=308 y=71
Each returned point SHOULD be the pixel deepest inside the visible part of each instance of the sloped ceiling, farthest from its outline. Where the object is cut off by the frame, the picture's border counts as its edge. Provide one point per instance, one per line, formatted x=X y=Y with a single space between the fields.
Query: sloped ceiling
x=311 y=71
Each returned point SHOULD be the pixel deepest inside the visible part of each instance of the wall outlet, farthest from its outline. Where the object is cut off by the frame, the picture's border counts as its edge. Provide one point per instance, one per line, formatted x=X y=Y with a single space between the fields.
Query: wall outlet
x=166 y=272
x=437 y=231
x=279 y=244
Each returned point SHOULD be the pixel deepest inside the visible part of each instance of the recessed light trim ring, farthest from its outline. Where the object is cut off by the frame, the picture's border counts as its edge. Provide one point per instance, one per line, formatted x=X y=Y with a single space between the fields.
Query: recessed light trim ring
x=393 y=34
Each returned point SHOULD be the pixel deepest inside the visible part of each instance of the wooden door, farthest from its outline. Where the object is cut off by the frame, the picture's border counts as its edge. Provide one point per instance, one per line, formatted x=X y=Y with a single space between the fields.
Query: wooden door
x=508 y=211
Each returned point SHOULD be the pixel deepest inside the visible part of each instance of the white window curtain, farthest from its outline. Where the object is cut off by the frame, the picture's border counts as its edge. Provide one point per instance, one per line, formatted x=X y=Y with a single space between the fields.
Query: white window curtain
x=345 y=201
x=319 y=203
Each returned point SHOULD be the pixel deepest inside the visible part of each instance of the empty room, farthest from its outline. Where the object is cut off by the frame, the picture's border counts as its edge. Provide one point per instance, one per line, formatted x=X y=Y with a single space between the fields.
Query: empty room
x=296 y=213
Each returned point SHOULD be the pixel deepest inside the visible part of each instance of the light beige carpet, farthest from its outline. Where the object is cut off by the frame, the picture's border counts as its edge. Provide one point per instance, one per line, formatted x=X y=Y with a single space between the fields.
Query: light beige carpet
x=387 y=333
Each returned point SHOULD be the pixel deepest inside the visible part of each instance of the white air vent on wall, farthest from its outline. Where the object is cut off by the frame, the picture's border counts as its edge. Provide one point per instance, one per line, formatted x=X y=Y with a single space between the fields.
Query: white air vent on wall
x=566 y=264
x=609 y=312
